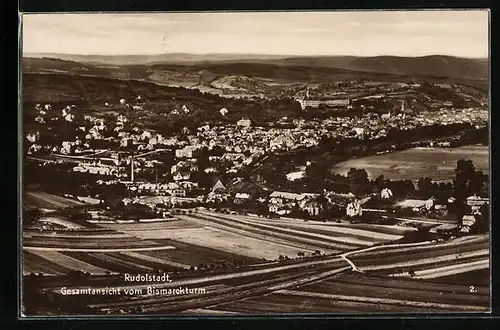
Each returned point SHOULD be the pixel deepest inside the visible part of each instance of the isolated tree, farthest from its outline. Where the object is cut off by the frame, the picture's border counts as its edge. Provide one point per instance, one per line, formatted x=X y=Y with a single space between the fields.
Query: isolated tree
x=358 y=180
x=380 y=182
x=424 y=186
x=464 y=173
x=477 y=182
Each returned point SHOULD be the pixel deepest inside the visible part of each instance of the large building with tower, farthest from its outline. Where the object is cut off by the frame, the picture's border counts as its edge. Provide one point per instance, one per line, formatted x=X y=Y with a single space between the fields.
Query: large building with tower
x=309 y=102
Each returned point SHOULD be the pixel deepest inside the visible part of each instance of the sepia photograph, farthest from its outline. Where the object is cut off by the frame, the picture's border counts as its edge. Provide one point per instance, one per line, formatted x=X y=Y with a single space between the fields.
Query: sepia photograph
x=254 y=163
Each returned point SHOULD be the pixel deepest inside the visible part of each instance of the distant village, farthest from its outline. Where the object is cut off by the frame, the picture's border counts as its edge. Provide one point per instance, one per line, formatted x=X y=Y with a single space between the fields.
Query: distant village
x=173 y=170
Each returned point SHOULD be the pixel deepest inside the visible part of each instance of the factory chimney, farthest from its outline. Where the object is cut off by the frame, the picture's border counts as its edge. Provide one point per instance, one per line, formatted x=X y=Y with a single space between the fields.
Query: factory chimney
x=132 y=169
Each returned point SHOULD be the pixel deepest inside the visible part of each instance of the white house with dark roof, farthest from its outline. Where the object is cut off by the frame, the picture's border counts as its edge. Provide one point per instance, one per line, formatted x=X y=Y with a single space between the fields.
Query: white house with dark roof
x=244 y=122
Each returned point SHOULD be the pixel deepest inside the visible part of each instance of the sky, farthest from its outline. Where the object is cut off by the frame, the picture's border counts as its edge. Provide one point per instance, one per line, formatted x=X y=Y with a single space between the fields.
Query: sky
x=400 y=33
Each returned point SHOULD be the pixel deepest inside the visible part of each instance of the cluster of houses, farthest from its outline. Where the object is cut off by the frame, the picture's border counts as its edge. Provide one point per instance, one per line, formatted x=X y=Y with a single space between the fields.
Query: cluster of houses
x=241 y=143
x=175 y=189
x=475 y=203
x=244 y=137
x=97 y=168
x=284 y=203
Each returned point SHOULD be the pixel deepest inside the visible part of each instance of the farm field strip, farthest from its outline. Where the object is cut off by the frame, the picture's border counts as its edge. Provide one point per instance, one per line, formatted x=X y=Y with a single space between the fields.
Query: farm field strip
x=362 y=233
x=322 y=228
x=124 y=260
x=480 y=277
x=424 y=261
x=60 y=221
x=453 y=269
x=43 y=265
x=235 y=275
x=65 y=249
x=346 y=239
x=84 y=239
x=114 y=235
x=347 y=242
x=213 y=291
x=282 y=303
x=171 y=224
x=369 y=236
x=69 y=262
x=141 y=262
x=405 y=271
x=428 y=294
x=468 y=238
x=155 y=300
x=388 y=283
x=205 y=311
x=193 y=254
x=287 y=240
x=97 y=260
x=83 y=244
x=225 y=241
x=80 y=232
x=28 y=268
x=234 y=293
x=385 y=251
x=387 y=301
x=384 y=229
x=155 y=260
x=31 y=265
x=418 y=254
x=45 y=200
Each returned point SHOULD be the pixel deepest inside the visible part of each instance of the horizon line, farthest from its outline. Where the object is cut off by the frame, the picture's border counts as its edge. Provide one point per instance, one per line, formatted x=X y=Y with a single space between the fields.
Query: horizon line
x=252 y=54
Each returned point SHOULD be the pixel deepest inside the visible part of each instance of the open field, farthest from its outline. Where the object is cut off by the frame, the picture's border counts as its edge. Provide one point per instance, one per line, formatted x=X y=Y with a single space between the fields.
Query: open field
x=228 y=252
x=85 y=242
x=221 y=240
x=97 y=263
x=354 y=292
x=438 y=163
x=374 y=228
x=426 y=261
x=61 y=222
x=45 y=200
x=322 y=235
x=323 y=284
x=221 y=288
x=60 y=259
x=118 y=251
x=186 y=255
x=454 y=268
x=480 y=277
x=152 y=226
x=456 y=246
x=258 y=238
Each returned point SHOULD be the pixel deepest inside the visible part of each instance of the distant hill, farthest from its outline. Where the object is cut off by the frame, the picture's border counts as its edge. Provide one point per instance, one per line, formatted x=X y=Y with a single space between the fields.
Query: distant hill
x=434 y=65
x=172 y=58
x=442 y=66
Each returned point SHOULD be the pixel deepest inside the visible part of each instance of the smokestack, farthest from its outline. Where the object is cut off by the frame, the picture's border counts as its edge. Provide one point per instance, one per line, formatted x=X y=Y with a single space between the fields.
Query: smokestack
x=402 y=105
x=132 y=169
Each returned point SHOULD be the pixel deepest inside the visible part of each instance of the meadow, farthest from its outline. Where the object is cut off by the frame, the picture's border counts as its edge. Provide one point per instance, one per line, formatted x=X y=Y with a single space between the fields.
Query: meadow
x=438 y=163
